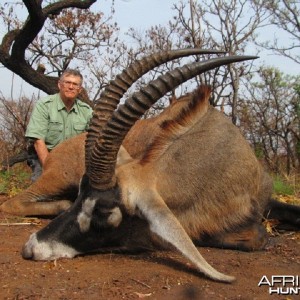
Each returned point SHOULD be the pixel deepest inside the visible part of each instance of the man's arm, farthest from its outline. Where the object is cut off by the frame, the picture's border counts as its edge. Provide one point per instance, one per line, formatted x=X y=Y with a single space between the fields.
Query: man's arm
x=41 y=150
x=37 y=129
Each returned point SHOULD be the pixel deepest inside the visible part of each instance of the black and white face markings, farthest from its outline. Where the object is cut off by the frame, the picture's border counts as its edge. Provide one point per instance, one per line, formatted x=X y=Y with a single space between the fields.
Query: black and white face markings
x=101 y=204
x=85 y=216
x=113 y=215
x=46 y=250
x=91 y=223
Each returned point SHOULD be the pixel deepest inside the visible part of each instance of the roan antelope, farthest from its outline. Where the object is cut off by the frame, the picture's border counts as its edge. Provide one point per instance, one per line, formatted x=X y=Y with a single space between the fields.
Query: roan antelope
x=198 y=181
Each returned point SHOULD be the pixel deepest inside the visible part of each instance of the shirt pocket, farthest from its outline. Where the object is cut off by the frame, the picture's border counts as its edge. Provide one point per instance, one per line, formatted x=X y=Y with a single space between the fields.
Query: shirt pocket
x=79 y=127
x=54 y=134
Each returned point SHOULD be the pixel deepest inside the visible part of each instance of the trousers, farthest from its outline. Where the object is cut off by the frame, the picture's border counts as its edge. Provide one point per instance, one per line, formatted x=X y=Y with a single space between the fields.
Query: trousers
x=36 y=167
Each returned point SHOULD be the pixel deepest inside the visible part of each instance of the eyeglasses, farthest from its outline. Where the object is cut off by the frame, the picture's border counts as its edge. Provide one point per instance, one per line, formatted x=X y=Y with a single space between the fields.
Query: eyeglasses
x=70 y=84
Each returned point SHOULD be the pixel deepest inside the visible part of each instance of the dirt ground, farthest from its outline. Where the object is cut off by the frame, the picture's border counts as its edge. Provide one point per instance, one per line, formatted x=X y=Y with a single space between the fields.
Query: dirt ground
x=158 y=275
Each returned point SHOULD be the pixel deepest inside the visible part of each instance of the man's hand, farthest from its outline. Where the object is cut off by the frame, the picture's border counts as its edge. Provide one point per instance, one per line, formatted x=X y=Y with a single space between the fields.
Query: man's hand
x=41 y=150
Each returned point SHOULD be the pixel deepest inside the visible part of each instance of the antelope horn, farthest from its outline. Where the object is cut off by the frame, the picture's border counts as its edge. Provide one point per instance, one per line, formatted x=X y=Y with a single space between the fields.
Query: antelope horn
x=101 y=170
x=110 y=97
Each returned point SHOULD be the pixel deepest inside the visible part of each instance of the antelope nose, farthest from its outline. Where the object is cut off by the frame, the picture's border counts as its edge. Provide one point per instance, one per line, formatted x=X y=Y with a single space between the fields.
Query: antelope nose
x=28 y=249
x=27 y=252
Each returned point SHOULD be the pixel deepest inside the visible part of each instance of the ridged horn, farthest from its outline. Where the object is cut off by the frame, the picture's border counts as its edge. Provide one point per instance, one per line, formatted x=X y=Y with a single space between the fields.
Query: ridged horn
x=110 y=97
x=101 y=170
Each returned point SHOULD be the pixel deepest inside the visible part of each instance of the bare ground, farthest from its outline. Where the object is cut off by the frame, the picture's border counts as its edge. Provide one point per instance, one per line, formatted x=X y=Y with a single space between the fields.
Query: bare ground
x=157 y=275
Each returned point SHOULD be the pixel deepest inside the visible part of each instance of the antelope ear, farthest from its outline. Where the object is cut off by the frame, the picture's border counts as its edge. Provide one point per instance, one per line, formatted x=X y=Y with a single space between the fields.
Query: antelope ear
x=163 y=223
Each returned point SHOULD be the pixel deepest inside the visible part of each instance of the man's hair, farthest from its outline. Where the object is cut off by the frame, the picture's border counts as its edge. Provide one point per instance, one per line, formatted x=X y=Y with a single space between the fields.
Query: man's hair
x=73 y=72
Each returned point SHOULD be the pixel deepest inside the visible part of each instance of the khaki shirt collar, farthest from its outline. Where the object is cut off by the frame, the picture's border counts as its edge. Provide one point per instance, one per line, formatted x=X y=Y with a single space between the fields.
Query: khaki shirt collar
x=61 y=105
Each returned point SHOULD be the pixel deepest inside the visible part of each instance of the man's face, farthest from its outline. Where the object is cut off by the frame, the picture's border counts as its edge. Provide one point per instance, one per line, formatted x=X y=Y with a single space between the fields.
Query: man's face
x=69 y=87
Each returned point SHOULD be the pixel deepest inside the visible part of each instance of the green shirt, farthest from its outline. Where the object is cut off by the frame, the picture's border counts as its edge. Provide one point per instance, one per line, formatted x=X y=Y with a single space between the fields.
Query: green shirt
x=51 y=122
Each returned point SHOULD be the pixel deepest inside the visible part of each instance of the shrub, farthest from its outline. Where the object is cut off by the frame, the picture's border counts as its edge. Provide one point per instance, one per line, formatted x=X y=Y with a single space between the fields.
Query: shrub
x=282 y=187
x=14 y=180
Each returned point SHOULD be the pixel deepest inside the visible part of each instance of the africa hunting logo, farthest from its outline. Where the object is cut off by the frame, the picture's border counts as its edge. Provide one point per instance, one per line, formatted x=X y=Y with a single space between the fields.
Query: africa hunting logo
x=281 y=284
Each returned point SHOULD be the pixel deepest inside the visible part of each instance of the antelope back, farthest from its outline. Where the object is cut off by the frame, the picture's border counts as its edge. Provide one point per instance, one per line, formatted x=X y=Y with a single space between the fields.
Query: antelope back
x=144 y=131
x=203 y=168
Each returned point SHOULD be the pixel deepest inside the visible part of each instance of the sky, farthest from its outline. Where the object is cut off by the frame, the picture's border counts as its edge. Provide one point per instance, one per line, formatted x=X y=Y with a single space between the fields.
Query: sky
x=139 y=14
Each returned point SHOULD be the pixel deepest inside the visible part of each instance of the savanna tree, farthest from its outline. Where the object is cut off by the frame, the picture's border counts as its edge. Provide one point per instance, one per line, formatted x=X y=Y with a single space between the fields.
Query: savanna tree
x=14 y=117
x=269 y=118
x=284 y=16
x=54 y=35
x=228 y=26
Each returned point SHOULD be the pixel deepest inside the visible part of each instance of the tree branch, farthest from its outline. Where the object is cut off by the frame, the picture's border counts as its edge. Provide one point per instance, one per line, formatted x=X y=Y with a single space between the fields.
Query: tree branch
x=15 y=42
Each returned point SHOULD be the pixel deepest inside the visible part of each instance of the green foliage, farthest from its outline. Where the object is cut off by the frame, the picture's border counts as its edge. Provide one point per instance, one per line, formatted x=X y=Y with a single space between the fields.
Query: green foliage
x=282 y=186
x=14 y=180
x=259 y=152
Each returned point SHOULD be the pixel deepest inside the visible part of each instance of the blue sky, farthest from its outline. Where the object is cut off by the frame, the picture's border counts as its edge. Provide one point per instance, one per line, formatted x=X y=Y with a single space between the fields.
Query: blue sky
x=144 y=13
x=140 y=14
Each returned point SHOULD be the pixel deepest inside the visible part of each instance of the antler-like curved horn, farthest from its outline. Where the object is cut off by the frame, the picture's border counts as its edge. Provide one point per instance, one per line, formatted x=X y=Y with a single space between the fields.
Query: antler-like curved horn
x=101 y=169
x=110 y=97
